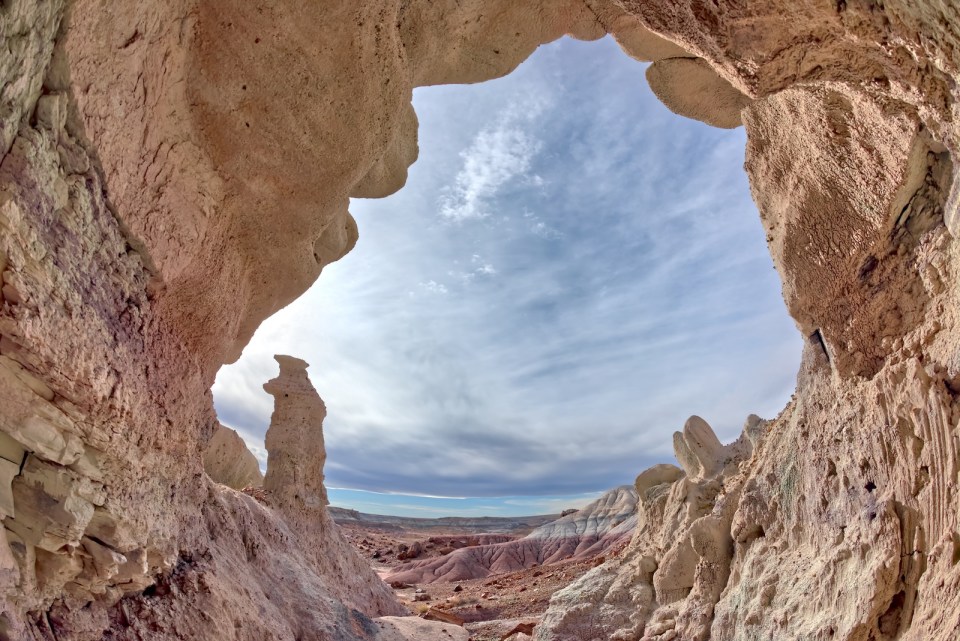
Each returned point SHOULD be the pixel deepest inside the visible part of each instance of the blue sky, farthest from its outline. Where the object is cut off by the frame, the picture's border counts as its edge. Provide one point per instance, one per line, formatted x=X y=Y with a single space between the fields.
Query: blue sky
x=570 y=272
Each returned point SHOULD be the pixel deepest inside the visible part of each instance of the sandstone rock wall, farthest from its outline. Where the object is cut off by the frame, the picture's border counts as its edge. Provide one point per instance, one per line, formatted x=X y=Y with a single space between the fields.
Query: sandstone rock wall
x=172 y=173
x=227 y=460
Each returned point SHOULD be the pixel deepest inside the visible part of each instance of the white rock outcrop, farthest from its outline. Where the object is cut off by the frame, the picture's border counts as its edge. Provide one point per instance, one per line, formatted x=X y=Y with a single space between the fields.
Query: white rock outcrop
x=665 y=585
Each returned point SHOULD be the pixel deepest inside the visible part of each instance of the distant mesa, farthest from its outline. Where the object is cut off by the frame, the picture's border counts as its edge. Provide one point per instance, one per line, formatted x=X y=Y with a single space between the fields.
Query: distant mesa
x=476 y=524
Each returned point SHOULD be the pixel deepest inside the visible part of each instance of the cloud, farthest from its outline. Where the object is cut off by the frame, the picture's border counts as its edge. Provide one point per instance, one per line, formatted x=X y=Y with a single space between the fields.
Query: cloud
x=481 y=267
x=434 y=287
x=418 y=496
x=500 y=152
x=553 y=345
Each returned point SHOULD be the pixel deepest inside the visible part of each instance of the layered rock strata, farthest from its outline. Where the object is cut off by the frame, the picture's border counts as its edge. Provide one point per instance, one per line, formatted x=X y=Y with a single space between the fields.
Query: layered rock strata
x=598 y=527
x=172 y=173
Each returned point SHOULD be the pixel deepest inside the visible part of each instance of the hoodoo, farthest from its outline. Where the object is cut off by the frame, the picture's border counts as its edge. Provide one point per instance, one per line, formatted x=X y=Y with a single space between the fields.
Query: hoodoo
x=172 y=173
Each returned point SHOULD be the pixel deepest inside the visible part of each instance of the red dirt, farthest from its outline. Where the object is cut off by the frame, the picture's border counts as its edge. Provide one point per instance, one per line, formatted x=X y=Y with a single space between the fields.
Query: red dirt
x=503 y=600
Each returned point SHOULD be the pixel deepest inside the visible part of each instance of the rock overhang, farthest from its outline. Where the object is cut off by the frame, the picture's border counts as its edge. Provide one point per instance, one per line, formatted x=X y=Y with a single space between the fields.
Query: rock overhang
x=210 y=152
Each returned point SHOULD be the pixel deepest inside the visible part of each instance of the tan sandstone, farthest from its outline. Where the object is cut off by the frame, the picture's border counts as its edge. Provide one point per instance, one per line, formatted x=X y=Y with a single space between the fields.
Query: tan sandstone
x=173 y=173
x=227 y=460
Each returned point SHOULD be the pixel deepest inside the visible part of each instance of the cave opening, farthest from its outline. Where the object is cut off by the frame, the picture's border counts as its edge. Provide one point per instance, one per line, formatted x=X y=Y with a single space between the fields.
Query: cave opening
x=174 y=174
x=570 y=271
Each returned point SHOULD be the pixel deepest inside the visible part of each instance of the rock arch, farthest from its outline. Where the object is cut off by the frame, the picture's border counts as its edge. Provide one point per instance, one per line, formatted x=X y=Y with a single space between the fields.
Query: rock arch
x=172 y=173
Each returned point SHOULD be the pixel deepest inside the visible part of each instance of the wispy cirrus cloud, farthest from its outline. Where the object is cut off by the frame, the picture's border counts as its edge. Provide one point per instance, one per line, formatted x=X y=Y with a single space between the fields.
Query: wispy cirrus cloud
x=501 y=152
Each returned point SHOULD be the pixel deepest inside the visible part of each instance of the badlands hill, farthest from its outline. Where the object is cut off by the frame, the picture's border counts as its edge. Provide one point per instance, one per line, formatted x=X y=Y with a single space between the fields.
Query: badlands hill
x=603 y=524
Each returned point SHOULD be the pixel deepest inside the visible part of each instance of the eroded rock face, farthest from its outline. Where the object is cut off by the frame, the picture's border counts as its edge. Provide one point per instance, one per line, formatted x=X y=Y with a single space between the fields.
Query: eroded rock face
x=172 y=173
x=280 y=551
x=227 y=460
x=679 y=559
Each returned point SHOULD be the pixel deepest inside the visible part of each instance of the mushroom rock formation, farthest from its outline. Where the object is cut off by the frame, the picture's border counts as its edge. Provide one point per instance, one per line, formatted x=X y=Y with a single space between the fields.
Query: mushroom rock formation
x=171 y=173
x=654 y=477
x=227 y=460
x=690 y=87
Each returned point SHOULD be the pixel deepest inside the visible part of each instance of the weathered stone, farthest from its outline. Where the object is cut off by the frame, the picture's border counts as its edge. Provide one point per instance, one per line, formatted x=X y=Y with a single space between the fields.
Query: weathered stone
x=754 y=428
x=35 y=422
x=678 y=561
x=34 y=383
x=105 y=563
x=656 y=475
x=53 y=505
x=134 y=573
x=691 y=87
x=296 y=452
x=11 y=450
x=698 y=450
x=8 y=471
x=227 y=460
x=188 y=189
x=9 y=569
x=640 y=43
x=89 y=465
x=112 y=529
x=51 y=113
x=951 y=210
x=28 y=32
x=107 y=560
x=54 y=568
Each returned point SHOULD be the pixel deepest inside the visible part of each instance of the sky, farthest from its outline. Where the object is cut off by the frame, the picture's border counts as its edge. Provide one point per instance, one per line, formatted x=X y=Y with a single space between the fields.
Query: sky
x=570 y=272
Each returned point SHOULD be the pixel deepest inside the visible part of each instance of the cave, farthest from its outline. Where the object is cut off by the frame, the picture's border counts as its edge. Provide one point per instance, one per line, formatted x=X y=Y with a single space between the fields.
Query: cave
x=174 y=174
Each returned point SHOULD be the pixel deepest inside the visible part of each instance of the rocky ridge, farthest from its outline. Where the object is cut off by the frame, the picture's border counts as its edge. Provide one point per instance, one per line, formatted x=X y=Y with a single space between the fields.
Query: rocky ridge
x=173 y=173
